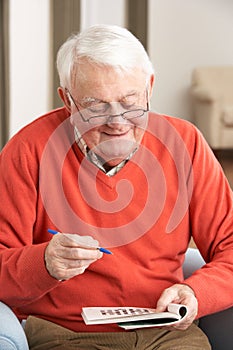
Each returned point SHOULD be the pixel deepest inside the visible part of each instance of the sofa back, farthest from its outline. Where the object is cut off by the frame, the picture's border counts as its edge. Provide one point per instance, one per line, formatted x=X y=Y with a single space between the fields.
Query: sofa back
x=217 y=79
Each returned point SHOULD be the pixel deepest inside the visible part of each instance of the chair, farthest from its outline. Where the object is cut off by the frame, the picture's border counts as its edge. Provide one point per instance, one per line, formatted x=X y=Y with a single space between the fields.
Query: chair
x=12 y=336
x=212 y=92
x=218 y=327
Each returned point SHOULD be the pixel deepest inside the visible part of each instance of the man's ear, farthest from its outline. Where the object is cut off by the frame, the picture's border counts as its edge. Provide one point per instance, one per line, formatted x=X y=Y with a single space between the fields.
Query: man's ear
x=65 y=98
x=151 y=85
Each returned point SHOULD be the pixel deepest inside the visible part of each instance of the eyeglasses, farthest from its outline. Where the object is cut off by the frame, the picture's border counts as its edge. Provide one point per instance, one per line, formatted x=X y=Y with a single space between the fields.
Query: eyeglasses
x=92 y=118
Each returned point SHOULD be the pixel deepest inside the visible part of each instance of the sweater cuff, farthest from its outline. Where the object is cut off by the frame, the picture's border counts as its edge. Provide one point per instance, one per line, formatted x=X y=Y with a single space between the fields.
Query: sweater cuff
x=35 y=276
x=206 y=298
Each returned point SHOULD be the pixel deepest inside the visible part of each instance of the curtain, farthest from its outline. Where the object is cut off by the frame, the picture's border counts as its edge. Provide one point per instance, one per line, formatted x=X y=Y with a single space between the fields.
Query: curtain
x=65 y=21
x=137 y=19
x=4 y=72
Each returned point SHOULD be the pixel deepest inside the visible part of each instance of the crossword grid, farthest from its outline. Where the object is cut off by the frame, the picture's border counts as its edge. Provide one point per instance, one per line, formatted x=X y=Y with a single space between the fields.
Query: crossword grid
x=124 y=312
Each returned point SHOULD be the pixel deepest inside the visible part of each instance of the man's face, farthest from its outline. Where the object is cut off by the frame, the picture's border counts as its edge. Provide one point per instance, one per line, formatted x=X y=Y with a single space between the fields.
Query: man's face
x=103 y=91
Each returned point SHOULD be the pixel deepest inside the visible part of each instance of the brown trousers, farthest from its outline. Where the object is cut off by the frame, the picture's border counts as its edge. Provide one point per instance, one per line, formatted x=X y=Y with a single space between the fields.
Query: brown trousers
x=44 y=335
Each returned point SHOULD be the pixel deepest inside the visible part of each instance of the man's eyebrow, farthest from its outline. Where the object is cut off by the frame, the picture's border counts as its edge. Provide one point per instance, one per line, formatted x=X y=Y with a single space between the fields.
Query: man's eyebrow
x=130 y=93
x=87 y=100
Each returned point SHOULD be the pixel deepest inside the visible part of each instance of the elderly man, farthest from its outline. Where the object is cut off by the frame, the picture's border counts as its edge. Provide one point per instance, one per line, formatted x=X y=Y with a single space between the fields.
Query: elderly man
x=103 y=171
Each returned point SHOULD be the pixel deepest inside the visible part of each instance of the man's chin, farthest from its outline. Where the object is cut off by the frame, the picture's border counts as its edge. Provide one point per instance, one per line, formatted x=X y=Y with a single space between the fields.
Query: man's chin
x=112 y=158
x=116 y=150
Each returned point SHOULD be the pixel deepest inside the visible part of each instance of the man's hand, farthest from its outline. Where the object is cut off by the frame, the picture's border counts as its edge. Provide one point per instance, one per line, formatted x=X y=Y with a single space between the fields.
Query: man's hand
x=179 y=294
x=68 y=255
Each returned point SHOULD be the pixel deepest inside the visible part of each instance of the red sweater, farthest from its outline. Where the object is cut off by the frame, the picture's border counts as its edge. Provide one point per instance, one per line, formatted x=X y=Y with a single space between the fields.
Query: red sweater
x=172 y=188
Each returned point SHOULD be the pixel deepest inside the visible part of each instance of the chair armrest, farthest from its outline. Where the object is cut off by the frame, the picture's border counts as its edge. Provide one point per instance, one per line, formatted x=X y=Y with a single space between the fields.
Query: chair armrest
x=219 y=329
x=204 y=95
x=219 y=326
x=193 y=261
x=12 y=336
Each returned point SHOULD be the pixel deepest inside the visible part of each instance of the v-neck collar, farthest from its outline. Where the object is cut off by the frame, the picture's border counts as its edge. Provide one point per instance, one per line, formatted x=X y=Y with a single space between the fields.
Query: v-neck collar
x=95 y=159
x=93 y=170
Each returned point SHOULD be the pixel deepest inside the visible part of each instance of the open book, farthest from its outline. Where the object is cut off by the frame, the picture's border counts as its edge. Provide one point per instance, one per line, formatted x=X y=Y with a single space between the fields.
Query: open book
x=133 y=317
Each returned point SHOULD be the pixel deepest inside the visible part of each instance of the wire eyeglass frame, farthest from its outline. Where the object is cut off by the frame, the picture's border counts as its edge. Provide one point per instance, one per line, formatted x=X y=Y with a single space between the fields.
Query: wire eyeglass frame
x=103 y=119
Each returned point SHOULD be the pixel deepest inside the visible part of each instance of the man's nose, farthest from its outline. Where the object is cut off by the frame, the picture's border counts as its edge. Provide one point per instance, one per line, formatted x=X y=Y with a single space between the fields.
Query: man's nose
x=116 y=114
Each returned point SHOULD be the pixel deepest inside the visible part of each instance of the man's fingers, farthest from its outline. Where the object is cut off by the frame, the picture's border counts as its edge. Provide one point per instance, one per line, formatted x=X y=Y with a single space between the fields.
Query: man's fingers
x=73 y=253
x=168 y=296
x=74 y=240
x=68 y=255
x=180 y=294
x=64 y=273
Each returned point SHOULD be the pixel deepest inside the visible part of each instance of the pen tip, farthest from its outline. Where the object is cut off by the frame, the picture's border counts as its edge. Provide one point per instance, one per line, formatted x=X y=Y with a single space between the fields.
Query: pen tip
x=104 y=250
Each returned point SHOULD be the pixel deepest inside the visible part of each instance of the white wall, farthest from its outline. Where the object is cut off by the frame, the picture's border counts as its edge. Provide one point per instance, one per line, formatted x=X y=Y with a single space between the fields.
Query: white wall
x=30 y=64
x=182 y=35
x=29 y=61
x=102 y=11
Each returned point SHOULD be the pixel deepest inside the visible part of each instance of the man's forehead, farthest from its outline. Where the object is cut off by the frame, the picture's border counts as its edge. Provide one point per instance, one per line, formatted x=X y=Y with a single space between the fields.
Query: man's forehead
x=92 y=81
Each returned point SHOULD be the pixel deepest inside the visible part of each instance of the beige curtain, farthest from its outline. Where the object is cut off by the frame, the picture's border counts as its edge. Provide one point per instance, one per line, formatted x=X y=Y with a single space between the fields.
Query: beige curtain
x=65 y=21
x=4 y=72
x=137 y=19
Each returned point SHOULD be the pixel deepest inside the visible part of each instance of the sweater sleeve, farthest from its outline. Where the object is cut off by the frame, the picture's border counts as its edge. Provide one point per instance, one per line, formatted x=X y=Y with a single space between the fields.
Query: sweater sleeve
x=211 y=217
x=23 y=275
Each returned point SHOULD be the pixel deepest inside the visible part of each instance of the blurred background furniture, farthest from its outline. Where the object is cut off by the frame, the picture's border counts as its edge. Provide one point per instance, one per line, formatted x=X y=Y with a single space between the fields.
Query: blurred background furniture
x=212 y=92
x=218 y=327
x=12 y=336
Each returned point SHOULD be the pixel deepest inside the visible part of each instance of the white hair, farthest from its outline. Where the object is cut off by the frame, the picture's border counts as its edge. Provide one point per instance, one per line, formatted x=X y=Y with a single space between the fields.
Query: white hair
x=107 y=45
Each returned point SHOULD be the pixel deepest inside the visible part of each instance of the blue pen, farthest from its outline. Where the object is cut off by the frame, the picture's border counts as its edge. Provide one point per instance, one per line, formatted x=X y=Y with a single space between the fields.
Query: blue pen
x=103 y=250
